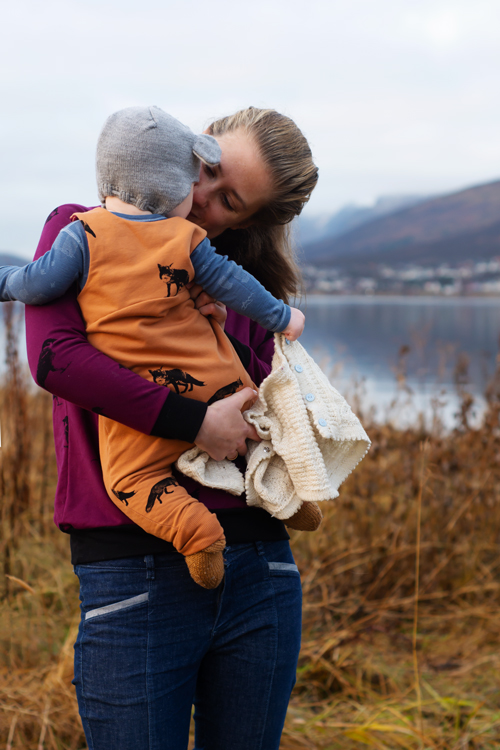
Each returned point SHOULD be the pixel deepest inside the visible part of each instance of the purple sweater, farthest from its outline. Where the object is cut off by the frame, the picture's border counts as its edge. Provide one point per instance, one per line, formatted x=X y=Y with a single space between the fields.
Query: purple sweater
x=84 y=381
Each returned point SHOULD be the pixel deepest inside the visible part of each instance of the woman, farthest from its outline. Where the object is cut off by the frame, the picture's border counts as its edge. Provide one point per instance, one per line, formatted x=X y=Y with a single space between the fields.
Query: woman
x=150 y=643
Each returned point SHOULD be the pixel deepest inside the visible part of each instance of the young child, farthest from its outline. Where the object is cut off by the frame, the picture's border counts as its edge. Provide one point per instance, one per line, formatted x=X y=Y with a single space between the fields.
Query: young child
x=132 y=265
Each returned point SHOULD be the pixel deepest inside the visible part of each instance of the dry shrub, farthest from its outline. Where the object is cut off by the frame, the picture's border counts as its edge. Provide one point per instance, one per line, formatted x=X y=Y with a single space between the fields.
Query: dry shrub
x=27 y=468
x=38 y=592
x=379 y=666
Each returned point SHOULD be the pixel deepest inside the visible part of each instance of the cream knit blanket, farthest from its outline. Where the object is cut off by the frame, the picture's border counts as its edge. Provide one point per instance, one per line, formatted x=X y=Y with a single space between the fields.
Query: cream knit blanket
x=311 y=440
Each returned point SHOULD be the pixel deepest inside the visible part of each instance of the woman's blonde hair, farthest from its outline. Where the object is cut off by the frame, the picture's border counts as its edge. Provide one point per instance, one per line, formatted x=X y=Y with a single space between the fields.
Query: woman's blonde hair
x=265 y=248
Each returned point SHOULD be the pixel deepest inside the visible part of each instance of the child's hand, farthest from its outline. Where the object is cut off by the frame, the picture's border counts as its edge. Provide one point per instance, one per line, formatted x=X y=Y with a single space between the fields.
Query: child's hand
x=295 y=326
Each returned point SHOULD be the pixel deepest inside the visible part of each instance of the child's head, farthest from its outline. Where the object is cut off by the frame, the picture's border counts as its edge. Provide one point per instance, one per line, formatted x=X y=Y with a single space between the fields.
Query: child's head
x=150 y=160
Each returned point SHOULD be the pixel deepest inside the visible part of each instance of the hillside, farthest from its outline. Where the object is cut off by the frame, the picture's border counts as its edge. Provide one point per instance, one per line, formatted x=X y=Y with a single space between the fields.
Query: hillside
x=315 y=228
x=461 y=226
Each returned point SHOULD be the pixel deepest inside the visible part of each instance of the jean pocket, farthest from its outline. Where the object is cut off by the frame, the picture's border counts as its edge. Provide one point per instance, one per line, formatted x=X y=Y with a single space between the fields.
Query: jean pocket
x=117 y=606
x=282 y=568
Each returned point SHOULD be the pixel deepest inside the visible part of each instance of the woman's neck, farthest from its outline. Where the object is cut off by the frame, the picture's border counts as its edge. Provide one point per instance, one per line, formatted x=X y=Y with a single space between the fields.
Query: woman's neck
x=114 y=204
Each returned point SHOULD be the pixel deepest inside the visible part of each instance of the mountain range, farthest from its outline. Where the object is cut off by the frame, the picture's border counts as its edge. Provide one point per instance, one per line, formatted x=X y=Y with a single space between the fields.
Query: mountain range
x=314 y=228
x=458 y=227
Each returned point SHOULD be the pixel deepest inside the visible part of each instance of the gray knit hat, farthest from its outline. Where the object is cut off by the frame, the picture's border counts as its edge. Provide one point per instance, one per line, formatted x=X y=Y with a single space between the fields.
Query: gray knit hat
x=149 y=159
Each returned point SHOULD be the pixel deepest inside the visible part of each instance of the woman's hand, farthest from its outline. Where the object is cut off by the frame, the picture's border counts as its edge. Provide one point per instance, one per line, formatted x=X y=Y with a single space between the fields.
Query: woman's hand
x=207 y=305
x=224 y=431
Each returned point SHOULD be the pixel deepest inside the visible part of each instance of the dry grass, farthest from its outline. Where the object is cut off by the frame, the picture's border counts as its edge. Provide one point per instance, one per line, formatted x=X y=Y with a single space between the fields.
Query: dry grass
x=380 y=667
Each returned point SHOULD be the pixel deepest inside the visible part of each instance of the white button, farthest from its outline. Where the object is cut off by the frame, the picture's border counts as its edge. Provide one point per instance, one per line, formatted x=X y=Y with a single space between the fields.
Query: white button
x=322 y=422
x=310 y=397
x=298 y=368
x=266 y=449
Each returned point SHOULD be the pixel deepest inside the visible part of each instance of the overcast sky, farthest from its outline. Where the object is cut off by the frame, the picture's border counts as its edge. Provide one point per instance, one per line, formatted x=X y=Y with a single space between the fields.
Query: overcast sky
x=395 y=96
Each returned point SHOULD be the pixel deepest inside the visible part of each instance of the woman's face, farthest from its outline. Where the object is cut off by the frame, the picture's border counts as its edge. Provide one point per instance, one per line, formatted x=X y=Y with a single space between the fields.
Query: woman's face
x=228 y=195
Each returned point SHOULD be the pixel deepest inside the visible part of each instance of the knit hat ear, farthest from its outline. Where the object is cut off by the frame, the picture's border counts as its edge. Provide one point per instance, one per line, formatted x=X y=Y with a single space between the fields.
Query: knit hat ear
x=207 y=149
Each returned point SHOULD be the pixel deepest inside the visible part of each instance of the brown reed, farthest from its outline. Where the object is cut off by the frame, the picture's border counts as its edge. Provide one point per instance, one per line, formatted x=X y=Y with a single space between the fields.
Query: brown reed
x=395 y=531
x=358 y=681
x=26 y=456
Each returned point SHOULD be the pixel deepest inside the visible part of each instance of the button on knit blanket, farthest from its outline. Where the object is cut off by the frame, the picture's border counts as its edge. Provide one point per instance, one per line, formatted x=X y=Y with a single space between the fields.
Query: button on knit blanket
x=311 y=440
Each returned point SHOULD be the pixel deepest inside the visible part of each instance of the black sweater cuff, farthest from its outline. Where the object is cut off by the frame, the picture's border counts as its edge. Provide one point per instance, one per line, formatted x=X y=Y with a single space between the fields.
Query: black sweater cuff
x=180 y=418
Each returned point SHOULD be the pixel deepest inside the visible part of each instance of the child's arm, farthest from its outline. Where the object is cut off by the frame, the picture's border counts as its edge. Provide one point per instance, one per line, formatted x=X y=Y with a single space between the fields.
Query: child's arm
x=50 y=276
x=227 y=281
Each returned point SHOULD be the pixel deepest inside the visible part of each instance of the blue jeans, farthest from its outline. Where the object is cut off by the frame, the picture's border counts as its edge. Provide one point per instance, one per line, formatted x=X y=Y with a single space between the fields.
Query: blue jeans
x=152 y=642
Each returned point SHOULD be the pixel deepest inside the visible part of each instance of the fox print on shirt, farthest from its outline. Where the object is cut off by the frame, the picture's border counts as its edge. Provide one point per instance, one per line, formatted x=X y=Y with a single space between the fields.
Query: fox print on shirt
x=177 y=276
x=157 y=491
x=177 y=378
x=46 y=363
x=226 y=390
x=123 y=496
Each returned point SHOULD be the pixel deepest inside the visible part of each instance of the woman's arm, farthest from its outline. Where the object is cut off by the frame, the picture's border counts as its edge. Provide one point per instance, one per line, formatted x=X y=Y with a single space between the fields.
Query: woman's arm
x=63 y=362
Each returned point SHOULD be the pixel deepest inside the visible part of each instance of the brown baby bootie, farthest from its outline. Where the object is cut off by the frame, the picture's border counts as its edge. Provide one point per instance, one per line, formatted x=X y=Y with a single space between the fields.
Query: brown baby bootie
x=307 y=518
x=207 y=567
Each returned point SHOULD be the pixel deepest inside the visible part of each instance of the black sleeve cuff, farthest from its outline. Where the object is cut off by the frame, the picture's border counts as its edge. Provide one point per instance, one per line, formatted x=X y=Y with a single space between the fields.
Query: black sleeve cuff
x=242 y=350
x=180 y=418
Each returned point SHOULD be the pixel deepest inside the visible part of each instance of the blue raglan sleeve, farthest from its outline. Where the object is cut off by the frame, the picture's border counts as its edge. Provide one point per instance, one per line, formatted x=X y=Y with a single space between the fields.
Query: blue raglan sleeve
x=230 y=283
x=51 y=275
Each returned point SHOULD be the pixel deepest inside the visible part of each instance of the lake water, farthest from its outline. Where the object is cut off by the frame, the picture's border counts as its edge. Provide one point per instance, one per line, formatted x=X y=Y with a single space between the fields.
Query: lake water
x=358 y=341
x=365 y=342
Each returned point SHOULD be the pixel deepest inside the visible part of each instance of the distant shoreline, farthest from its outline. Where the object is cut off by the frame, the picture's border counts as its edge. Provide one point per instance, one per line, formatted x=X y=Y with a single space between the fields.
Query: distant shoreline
x=407 y=298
